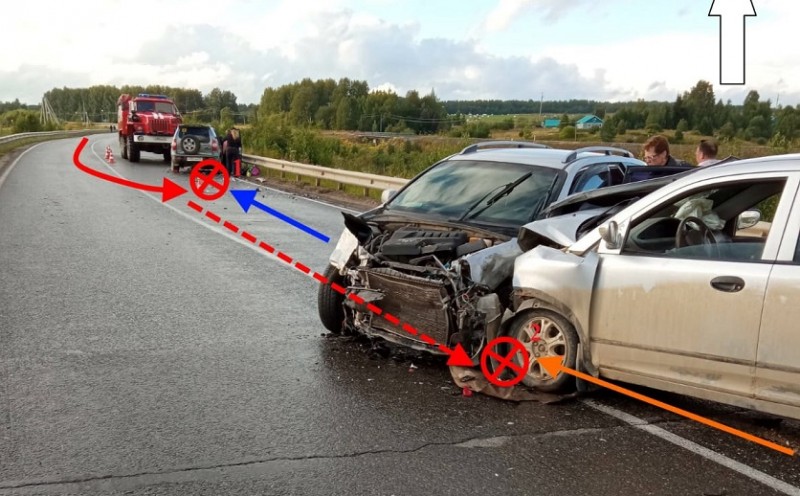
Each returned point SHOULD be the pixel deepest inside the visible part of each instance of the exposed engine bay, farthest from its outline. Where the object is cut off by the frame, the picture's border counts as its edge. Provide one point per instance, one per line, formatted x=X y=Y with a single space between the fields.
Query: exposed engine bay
x=450 y=282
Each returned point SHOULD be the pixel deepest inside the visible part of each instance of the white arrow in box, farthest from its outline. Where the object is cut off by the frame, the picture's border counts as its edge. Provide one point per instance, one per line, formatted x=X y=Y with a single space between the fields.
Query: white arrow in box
x=732 y=37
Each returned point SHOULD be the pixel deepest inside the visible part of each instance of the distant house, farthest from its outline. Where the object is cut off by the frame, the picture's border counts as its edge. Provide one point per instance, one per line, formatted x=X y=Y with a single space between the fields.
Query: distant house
x=589 y=122
x=550 y=123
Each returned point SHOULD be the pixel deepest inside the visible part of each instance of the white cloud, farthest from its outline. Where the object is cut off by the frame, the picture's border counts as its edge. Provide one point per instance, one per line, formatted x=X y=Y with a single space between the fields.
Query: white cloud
x=245 y=45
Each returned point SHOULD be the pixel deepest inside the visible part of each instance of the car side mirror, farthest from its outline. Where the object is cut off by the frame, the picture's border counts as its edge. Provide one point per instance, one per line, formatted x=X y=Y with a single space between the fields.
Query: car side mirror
x=611 y=235
x=748 y=218
x=387 y=195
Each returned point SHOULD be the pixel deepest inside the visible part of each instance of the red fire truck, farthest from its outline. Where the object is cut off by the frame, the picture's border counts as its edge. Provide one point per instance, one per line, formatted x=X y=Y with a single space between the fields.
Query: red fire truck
x=146 y=123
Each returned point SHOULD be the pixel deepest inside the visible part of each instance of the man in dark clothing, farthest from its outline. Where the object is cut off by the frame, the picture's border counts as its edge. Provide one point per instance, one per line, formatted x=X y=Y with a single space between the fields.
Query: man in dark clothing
x=656 y=152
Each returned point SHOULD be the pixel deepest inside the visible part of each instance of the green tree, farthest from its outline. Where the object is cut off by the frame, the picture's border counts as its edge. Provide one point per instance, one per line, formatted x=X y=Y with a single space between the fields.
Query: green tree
x=787 y=122
x=699 y=103
x=567 y=132
x=608 y=131
x=727 y=131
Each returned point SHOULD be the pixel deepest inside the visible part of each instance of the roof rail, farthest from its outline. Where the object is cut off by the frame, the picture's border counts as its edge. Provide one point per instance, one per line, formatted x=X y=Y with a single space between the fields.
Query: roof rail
x=501 y=144
x=607 y=149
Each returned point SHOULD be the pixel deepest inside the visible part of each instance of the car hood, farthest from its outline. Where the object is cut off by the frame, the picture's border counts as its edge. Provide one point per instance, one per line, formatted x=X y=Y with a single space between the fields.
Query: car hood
x=560 y=230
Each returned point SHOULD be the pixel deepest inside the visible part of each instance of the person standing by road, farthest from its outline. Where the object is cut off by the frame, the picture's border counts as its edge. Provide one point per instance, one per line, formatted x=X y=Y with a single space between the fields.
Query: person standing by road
x=706 y=153
x=232 y=150
x=656 y=153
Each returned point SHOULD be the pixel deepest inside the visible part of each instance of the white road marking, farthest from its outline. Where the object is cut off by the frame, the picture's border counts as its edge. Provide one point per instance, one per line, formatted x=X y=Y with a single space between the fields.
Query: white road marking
x=695 y=448
x=211 y=227
x=14 y=163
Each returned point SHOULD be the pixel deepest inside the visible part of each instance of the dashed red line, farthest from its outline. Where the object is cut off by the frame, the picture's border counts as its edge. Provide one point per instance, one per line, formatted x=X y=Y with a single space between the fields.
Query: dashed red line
x=321 y=278
x=428 y=339
x=410 y=330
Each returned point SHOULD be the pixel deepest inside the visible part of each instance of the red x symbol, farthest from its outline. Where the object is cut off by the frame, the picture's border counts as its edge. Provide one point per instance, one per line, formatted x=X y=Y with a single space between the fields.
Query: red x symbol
x=200 y=181
x=505 y=361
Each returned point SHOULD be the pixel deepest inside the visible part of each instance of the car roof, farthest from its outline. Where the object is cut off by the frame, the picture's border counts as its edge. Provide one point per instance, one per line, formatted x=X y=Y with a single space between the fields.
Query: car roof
x=537 y=155
x=771 y=163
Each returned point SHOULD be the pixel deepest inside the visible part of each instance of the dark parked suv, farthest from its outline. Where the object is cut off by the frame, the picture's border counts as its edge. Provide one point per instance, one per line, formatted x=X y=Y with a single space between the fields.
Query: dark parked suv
x=193 y=143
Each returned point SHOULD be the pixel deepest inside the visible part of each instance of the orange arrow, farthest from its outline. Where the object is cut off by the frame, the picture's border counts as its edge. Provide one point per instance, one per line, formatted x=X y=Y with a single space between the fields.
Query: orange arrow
x=553 y=366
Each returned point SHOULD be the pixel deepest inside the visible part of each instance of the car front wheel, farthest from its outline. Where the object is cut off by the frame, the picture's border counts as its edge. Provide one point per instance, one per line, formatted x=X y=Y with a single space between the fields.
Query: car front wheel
x=544 y=333
x=329 y=302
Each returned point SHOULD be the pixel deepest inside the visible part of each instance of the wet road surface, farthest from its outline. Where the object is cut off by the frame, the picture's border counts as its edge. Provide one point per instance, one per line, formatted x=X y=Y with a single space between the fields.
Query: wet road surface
x=146 y=349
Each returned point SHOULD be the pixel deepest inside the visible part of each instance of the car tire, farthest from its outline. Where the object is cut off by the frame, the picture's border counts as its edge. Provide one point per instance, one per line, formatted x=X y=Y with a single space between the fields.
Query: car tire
x=123 y=145
x=175 y=167
x=555 y=336
x=329 y=302
x=133 y=150
x=167 y=156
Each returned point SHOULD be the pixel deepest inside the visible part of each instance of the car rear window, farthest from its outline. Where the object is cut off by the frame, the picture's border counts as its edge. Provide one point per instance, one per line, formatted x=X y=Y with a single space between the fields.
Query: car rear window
x=195 y=130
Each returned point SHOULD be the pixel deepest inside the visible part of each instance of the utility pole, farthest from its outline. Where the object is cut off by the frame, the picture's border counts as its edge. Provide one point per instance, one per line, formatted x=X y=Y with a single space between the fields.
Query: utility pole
x=541 y=102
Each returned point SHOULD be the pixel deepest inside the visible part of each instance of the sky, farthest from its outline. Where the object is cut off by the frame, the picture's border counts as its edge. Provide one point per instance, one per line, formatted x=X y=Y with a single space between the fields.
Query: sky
x=612 y=50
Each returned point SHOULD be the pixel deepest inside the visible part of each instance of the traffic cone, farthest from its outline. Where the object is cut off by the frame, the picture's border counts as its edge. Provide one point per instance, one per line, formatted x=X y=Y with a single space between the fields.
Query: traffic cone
x=109 y=155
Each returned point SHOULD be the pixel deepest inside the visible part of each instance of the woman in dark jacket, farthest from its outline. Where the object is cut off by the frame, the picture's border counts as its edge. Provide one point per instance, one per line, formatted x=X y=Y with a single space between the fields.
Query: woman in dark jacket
x=232 y=149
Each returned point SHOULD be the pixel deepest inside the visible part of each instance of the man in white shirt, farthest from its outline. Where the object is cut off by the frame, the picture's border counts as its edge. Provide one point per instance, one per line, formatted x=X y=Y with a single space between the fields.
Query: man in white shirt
x=706 y=153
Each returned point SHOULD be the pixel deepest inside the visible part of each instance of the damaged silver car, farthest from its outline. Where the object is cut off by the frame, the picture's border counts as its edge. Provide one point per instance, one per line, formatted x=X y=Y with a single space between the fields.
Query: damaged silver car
x=692 y=289
x=432 y=266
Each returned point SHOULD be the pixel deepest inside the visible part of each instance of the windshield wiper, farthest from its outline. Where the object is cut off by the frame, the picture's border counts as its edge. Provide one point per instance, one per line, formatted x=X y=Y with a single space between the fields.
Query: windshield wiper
x=508 y=188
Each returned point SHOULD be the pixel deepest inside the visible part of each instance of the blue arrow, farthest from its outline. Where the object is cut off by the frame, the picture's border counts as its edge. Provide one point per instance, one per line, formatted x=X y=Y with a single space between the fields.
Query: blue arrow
x=247 y=198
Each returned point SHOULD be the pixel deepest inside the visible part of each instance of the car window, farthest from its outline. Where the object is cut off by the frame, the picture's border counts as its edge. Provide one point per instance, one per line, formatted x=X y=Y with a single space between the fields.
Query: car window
x=194 y=130
x=706 y=223
x=597 y=176
x=460 y=189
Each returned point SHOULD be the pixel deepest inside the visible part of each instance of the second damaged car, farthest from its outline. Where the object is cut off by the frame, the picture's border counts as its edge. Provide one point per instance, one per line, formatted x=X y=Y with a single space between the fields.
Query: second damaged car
x=432 y=266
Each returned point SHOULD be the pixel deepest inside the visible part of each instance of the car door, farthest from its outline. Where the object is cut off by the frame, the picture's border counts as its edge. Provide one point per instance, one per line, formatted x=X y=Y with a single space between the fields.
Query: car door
x=687 y=318
x=778 y=359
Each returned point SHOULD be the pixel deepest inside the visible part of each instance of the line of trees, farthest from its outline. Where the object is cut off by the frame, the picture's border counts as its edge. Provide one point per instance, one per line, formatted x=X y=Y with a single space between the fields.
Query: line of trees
x=698 y=110
x=99 y=103
x=350 y=105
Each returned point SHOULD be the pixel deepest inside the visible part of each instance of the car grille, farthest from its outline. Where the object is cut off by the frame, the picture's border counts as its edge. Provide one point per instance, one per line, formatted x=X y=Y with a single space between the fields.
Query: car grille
x=418 y=301
x=160 y=126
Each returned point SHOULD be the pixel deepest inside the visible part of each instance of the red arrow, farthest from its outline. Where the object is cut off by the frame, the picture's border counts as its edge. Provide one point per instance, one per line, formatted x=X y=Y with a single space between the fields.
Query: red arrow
x=458 y=357
x=554 y=365
x=168 y=189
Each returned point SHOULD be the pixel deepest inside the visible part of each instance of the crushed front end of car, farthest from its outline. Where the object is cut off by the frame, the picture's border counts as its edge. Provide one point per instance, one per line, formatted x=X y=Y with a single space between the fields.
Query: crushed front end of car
x=419 y=284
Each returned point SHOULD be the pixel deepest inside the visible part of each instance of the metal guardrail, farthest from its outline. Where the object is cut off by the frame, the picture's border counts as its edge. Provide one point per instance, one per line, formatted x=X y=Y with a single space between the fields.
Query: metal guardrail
x=16 y=137
x=318 y=173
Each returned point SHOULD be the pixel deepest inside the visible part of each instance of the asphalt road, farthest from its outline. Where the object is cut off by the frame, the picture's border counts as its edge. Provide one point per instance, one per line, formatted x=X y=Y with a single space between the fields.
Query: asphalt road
x=146 y=349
